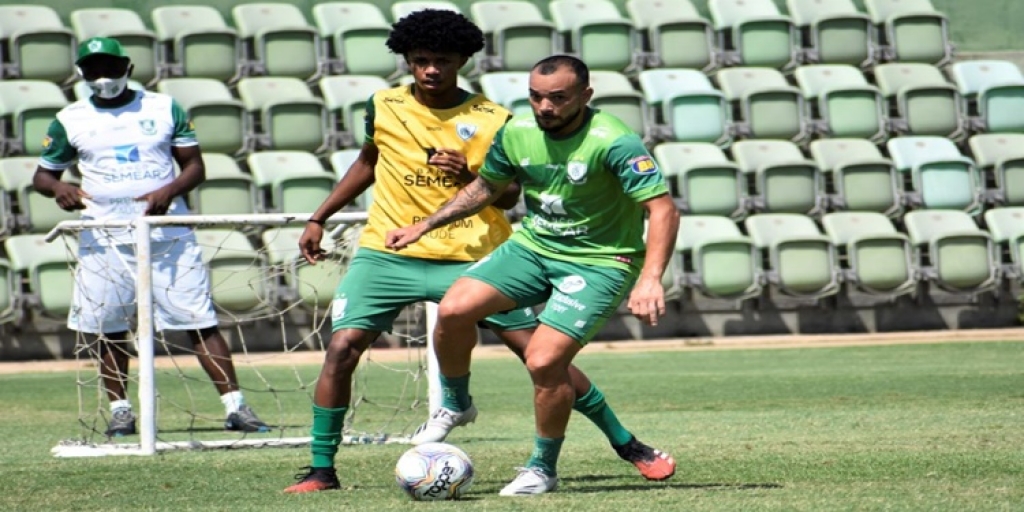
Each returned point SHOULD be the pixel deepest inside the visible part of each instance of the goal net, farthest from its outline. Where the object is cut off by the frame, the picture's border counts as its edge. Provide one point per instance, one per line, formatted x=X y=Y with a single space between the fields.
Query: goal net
x=274 y=309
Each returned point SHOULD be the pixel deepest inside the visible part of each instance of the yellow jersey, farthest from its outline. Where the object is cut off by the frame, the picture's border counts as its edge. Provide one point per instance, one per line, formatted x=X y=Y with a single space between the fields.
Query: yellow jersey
x=407 y=189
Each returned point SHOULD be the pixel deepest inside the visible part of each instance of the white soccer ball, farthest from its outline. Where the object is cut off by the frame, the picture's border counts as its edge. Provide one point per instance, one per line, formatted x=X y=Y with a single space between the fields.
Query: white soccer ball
x=434 y=471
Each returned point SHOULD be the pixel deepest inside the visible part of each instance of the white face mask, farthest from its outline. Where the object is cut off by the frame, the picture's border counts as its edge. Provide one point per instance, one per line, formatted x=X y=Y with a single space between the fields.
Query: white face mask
x=108 y=88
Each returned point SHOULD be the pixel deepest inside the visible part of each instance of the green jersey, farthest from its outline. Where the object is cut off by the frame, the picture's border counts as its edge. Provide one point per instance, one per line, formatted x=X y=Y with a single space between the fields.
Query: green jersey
x=583 y=192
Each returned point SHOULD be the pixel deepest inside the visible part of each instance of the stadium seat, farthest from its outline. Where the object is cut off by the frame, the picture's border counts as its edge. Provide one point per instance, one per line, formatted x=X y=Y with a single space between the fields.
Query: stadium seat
x=674 y=34
x=355 y=33
x=47 y=267
x=27 y=107
x=921 y=101
x=463 y=82
x=516 y=32
x=911 y=31
x=754 y=33
x=1001 y=156
x=37 y=44
x=861 y=179
x=289 y=181
x=597 y=33
x=35 y=212
x=1006 y=225
x=340 y=163
x=127 y=27
x=82 y=91
x=404 y=8
x=346 y=98
x=718 y=260
x=941 y=178
x=9 y=297
x=685 y=107
x=834 y=32
x=994 y=93
x=510 y=89
x=952 y=252
x=702 y=179
x=614 y=94
x=239 y=281
x=196 y=42
x=226 y=191
x=842 y=102
x=313 y=285
x=222 y=122
x=874 y=257
x=768 y=107
x=801 y=261
x=278 y=41
x=784 y=181
x=284 y=113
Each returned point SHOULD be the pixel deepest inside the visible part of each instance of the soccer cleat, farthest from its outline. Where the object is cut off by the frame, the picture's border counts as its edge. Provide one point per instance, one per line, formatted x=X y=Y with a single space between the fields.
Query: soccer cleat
x=441 y=423
x=245 y=420
x=122 y=423
x=315 y=479
x=652 y=464
x=530 y=481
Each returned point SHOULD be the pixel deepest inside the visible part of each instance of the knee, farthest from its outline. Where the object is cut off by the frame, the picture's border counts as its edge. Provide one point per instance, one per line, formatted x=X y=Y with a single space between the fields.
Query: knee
x=545 y=367
x=455 y=311
x=343 y=353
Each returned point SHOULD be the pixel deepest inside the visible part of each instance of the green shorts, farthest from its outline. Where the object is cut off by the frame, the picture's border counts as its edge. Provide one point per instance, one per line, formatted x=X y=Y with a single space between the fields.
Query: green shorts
x=580 y=298
x=378 y=285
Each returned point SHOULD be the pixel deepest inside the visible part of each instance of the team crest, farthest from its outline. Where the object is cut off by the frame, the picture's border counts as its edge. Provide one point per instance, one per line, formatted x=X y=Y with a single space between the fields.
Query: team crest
x=47 y=142
x=577 y=172
x=643 y=165
x=465 y=131
x=148 y=126
x=95 y=46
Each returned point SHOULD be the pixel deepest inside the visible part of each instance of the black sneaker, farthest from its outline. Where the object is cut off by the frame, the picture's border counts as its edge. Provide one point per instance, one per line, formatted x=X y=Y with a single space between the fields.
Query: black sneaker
x=122 y=423
x=245 y=420
x=651 y=463
x=313 y=480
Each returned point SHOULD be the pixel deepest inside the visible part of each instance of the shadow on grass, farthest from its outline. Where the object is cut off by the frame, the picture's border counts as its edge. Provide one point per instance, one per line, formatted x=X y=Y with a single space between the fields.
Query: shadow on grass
x=652 y=486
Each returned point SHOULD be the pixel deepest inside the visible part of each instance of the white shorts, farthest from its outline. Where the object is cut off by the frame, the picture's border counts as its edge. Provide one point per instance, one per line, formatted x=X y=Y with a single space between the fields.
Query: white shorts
x=104 y=295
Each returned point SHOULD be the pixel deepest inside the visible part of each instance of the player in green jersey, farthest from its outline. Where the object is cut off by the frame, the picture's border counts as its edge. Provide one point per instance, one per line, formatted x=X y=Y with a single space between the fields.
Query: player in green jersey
x=588 y=182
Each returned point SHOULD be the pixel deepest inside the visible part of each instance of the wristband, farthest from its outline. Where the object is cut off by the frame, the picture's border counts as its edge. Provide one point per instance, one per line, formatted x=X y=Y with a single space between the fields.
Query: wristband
x=317 y=221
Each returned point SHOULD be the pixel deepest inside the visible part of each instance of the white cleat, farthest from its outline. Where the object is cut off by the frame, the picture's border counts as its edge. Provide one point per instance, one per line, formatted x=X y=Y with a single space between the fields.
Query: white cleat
x=441 y=423
x=530 y=481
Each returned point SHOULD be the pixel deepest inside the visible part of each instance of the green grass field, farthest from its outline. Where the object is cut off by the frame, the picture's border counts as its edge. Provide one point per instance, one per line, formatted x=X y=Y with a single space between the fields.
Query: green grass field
x=906 y=427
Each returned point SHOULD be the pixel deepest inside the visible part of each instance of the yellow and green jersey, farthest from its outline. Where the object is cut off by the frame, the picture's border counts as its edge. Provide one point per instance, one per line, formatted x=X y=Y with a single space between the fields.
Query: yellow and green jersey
x=407 y=189
x=583 y=193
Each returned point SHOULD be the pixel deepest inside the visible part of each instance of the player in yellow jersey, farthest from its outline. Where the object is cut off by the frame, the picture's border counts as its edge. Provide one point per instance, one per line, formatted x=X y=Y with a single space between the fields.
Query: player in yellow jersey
x=424 y=142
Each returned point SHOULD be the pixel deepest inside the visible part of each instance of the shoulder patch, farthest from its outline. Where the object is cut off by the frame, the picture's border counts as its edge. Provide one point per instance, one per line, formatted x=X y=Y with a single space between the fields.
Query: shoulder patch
x=643 y=165
x=47 y=142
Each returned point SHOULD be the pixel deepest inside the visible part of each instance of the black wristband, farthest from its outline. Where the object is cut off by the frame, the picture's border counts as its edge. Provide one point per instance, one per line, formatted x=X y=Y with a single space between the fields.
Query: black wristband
x=317 y=221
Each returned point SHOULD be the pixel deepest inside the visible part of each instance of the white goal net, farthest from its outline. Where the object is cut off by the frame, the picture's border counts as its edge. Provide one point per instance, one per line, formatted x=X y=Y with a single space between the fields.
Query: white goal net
x=274 y=311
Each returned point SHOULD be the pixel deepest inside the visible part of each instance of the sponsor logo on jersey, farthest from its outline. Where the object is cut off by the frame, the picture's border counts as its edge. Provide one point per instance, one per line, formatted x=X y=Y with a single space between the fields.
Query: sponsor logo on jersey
x=525 y=123
x=338 y=308
x=624 y=259
x=599 y=132
x=148 y=126
x=572 y=284
x=482 y=108
x=394 y=99
x=126 y=154
x=465 y=131
x=47 y=142
x=577 y=172
x=643 y=165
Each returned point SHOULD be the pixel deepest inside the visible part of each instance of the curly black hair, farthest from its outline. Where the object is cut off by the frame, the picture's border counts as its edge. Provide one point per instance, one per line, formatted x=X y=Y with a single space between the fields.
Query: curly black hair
x=437 y=31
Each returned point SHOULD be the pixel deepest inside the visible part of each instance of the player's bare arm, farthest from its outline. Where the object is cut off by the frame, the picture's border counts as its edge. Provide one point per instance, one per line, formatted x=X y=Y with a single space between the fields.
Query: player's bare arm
x=454 y=163
x=193 y=173
x=469 y=201
x=357 y=179
x=647 y=300
x=69 y=196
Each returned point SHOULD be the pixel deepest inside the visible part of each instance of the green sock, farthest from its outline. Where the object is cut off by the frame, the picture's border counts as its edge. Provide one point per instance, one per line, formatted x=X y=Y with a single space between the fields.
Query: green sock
x=326 y=432
x=545 y=454
x=456 y=393
x=596 y=409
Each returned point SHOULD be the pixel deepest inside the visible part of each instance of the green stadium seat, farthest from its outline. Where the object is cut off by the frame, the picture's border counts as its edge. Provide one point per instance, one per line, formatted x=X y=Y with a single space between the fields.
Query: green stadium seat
x=127 y=27
x=222 y=122
x=240 y=285
x=1006 y=225
x=784 y=180
x=340 y=163
x=843 y=103
x=923 y=102
x=510 y=89
x=403 y=8
x=674 y=34
x=37 y=44
x=289 y=181
x=196 y=42
x=685 y=107
x=516 y=32
x=769 y=107
x=994 y=92
x=1001 y=156
x=597 y=33
x=702 y=179
x=861 y=179
x=952 y=252
x=874 y=257
x=941 y=178
x=718 y=261
x=355 y=33
x=10 y=301
x=346 y=98
x=27 y=107
x=801 y=261
x=278 y=40
x=754 y=33
x=35 y=212
x=834 y=32
x=614 y=94
x=312 y=285
x=48 y=269
x=226 y=191
x=284 y=113
x=912 y=31
x=82 y=91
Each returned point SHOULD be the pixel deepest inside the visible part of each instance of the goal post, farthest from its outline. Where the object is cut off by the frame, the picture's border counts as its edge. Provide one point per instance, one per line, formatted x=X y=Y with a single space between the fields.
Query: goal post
x=389 y=416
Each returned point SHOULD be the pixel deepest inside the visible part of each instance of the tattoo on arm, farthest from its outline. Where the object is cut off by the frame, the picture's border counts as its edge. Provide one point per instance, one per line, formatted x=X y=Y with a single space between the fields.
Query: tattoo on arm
x=469 y=201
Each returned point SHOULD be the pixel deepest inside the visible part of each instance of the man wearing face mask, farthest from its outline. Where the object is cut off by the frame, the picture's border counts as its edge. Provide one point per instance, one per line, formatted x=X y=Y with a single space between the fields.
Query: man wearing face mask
x=125 y=143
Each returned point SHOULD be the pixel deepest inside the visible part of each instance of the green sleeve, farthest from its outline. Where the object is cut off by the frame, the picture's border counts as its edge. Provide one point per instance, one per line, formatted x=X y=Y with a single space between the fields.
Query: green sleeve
x=368 y=119
x=184 y=130
x=58 y=153
x=637 y=170
x=497 y=166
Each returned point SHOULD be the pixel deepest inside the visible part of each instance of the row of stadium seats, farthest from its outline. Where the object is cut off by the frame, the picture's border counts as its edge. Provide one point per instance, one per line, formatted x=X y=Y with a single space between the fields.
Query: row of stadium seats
x=348 y=37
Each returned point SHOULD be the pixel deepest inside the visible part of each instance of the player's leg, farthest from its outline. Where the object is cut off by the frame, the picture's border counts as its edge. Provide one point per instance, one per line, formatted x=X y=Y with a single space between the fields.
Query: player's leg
x=214 y=356
x=114 y=360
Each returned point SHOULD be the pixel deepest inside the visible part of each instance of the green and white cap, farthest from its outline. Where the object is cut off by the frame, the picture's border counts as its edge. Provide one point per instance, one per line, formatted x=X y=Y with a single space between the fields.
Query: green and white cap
x=100 y=46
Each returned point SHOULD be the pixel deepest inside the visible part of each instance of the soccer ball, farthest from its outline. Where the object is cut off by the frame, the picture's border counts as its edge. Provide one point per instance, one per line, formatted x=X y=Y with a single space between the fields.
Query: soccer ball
x=434 y=471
